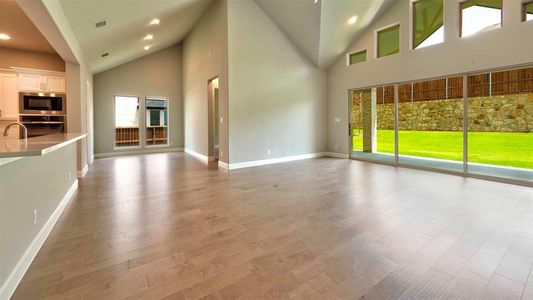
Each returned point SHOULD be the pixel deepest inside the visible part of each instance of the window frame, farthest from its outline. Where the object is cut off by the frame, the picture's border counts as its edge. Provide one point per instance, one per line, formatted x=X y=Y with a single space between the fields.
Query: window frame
x=376 y=40
x=413 y=25
x=348 y=56
x=461 y=18
x=524 y=10
x=141 y=119
x=145 y=142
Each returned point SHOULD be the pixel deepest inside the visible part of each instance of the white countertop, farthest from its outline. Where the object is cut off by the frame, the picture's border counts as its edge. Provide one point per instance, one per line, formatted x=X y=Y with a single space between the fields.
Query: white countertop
x=37 y=146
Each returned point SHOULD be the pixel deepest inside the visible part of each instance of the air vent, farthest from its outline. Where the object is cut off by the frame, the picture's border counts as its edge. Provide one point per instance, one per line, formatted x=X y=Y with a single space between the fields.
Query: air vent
x=101 y=24
x=105 y=55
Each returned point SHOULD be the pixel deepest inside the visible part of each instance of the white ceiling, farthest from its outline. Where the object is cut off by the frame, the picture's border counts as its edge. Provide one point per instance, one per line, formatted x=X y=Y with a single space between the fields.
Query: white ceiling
x=321 y=29
x=127 y=25
x=24 y=35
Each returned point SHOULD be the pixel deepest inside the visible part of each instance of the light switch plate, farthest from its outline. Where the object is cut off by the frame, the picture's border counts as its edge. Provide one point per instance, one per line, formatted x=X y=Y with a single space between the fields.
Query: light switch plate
x=337 y=120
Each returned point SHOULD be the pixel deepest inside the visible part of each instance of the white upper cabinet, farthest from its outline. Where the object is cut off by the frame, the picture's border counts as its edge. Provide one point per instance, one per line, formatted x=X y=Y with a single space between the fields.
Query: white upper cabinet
x=40 y=81
x=30 y=82
x=9 y=98
x=55 y=84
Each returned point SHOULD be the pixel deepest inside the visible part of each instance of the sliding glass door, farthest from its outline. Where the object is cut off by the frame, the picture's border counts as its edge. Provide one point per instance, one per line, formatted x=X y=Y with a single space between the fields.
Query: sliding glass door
x=372 y=124
x=476 y=124
x=500 y=124
x=430 y=132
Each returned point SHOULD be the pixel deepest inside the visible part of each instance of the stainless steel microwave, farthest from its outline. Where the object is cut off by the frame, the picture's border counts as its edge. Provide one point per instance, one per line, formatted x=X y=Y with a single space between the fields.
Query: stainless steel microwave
x=43 y=103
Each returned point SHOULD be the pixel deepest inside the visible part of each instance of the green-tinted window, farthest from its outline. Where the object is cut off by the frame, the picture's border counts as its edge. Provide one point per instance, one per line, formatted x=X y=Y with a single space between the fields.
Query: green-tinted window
x=428 y=23
x=389 y=41
x=357 y=57
x=528 y=11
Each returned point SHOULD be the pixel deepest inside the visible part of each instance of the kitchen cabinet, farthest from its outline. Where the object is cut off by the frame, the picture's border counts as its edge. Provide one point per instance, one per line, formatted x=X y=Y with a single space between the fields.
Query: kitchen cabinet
x=40 y=81
x=9 y=96
x=54 y=84
x=30 y=82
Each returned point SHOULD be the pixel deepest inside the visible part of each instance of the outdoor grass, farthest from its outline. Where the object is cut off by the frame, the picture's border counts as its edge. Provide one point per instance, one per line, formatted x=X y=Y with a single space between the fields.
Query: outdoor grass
x=494 y=148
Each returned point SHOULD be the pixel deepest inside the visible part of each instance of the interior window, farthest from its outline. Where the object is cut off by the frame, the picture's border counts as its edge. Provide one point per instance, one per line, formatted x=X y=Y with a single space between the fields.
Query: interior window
x=388 y=41
x=156 y=121
x=126 y=121
x=428 y=23
x=480 y=15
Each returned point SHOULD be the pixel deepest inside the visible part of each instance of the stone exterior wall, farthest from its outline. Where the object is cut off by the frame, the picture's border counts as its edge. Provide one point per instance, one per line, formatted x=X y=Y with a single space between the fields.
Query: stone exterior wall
x=507 y=113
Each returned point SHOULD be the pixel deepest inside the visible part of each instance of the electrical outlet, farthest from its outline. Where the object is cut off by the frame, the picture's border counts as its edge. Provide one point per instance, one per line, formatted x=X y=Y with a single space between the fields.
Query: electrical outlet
x=171 y=143
x=70 y=175
x=221 y=153
x=336 y=146
x=268 y=151
x=34 y=216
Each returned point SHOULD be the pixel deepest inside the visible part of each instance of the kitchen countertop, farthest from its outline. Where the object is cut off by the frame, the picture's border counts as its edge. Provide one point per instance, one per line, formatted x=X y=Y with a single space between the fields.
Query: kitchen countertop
x=37 y=146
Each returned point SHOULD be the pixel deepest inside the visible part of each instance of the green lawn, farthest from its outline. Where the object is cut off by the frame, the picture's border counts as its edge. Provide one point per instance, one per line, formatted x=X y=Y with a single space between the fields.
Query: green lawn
x=494 y=148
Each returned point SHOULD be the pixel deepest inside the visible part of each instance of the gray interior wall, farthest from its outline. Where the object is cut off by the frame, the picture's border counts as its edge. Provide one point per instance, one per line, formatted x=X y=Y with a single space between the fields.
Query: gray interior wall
x=205 y=57
x=87 y=91
x=25 y=185
x=75 y=113
x=85 y=83
x=79 y=95
x=157 y=74
x=277 y=96
x=509 y=45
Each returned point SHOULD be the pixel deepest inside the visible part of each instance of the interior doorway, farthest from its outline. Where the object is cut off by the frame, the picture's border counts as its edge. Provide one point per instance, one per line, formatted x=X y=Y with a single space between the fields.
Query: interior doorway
x=213 y=119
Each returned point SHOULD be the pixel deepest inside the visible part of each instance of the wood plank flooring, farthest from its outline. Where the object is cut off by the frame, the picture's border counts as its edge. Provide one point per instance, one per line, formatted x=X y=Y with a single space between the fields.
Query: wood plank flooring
x=166 y=226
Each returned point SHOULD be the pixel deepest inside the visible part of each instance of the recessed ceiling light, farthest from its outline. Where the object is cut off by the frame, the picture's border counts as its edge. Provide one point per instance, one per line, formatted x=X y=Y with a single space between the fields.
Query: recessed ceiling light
x=352 y=20
x=147 y=47
x=154 y=22
x=315 y=1
x=148 y=37
x=4 y=37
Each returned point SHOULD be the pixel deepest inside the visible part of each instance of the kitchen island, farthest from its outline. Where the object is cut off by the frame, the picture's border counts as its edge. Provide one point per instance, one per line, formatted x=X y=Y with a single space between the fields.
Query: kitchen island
x=38 y=177
x=37 y=146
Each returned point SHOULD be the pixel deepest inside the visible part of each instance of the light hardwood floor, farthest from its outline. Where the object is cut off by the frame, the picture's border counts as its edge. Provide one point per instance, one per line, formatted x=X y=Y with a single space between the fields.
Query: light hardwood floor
x=167 y=226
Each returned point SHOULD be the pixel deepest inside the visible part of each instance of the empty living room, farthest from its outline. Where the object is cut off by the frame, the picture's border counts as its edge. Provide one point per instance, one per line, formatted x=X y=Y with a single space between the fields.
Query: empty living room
x=266 y=149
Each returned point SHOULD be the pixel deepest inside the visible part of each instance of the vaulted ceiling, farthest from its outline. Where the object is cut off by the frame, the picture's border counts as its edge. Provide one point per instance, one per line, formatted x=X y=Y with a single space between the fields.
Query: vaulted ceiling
x=320 y=28
x=127 y=24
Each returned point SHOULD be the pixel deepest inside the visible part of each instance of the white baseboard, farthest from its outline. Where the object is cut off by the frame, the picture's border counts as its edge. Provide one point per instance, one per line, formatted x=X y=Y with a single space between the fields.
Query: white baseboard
x=223 y=165
x=137 y=152
x=337 y=155
x=255 y=163
x=10 y=285
x=197 y=155
x=82 y=173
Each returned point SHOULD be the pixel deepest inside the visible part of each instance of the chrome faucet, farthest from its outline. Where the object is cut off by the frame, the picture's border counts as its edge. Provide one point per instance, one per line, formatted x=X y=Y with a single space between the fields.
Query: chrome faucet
x=21 y=126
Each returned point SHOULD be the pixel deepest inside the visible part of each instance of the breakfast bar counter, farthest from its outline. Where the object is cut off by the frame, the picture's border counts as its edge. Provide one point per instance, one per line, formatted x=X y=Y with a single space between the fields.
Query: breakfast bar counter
x=36 y=146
